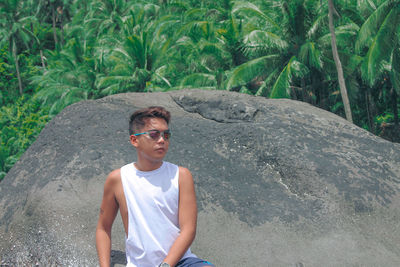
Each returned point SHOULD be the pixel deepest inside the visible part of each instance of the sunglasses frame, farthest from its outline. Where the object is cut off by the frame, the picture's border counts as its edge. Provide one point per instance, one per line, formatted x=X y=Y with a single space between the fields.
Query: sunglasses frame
x=159 y=134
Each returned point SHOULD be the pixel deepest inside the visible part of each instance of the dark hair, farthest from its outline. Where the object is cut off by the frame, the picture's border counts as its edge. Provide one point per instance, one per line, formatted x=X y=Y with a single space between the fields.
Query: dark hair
x=138 y=118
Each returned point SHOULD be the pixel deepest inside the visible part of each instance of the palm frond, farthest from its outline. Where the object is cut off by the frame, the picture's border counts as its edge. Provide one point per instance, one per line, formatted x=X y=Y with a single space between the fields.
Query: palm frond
x=247 y=71
x=310 y=55
x=372 y=25
x=125 y=54
x=316 y=26
x=70 y=96
x=136 y=47
x=106 y=81
x=151 y=10
x=381 y=47
x=261 y=41
x=197 y=29
x=353 y=64
x=262 y=91
x=344 y=36
x=395 y=70
x=185 y=44
x=213 y=55
x=199 y=80
x=352 y=11
x=110 y=90
x=121 y=69
x=281 y=88
x=194 y=14
x=166 y=25
x=160 y=75
x=249 y=8
x=366 y=6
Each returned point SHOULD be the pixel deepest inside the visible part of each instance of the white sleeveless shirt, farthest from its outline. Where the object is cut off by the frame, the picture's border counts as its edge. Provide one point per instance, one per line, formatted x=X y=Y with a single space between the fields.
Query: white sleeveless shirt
x=152 y=199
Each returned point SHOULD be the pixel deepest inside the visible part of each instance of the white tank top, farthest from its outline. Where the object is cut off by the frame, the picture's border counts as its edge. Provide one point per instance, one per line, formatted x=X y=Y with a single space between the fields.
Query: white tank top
x=152 y=199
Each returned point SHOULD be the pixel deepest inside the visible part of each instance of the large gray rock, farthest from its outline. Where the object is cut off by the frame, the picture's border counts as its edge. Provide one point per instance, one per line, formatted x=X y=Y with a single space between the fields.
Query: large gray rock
x=279 y=183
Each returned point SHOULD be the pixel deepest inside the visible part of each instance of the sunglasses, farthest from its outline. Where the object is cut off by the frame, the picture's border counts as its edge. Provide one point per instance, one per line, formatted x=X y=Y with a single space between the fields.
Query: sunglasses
x=155 y=134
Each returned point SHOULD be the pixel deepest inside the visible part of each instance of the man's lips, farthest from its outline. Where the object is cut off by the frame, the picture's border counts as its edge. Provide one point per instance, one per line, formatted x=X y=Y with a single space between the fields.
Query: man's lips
x=160 y=149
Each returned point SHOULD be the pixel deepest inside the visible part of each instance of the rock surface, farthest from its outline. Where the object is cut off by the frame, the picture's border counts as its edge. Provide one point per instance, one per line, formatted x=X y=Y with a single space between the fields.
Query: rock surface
x=278 y=182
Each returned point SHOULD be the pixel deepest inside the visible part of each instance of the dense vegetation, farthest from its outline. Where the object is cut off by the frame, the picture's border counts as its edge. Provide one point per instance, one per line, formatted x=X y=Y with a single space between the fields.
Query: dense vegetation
x=56 y=52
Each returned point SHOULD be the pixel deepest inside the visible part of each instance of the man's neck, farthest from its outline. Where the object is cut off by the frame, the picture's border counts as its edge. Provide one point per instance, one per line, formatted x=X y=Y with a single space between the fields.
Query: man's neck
x=147 y=166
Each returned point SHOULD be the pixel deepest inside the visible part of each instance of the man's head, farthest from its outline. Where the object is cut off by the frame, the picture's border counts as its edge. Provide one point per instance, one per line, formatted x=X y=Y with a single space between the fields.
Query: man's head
x=138 y=118
x=149 y=133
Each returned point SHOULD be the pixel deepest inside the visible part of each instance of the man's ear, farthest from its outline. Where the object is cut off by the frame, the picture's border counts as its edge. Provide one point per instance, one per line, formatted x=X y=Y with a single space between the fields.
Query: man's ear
x=134 y=140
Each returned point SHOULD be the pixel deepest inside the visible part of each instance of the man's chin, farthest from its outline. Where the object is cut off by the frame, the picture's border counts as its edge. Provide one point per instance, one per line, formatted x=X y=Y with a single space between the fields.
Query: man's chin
x=159 y=156
x=161 y=152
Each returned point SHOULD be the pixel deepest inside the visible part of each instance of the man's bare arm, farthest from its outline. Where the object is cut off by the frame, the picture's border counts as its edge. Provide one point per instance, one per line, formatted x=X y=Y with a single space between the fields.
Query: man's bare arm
x=187 y=218
x=108 y=212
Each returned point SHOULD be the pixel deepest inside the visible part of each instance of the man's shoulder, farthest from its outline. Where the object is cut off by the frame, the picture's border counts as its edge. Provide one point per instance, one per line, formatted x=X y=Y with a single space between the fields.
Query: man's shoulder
x=114 y=176
x=182 y=170
x=185 y=175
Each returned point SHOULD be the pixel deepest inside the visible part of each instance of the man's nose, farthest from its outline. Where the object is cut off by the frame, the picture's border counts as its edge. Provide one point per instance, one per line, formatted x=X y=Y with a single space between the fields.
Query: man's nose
x=161 y=139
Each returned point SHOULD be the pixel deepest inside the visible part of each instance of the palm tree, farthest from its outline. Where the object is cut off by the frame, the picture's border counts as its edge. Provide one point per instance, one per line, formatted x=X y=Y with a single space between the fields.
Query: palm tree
x=338 y=64
x=104 y=15
x=70 y=76
x=135 y=58
x=202 y=49
x=276 y=51
x=377 y=39
x=13 y=29
x=291 y=58
x=378 y=43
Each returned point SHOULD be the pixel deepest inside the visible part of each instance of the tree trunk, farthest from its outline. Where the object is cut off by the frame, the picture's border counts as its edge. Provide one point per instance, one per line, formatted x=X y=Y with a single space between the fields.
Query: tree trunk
x=372 y=110
x=60 y=11
x=62 y=33
x=395 y=110
x=304 y=94
x=53 y=16
x=42 y=59
x=369 y=115
x=342 y=84
x=14 y=53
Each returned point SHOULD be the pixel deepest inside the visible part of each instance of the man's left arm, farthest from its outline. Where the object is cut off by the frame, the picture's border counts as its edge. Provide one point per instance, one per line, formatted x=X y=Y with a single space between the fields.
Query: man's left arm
x=187 y=217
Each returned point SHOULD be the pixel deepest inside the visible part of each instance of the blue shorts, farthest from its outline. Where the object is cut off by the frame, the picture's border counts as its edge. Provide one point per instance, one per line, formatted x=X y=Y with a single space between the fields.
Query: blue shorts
x=193 y=262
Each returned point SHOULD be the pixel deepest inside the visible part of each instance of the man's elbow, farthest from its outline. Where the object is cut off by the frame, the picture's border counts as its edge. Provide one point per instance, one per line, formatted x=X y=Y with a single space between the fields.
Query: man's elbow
x=103 y=228
x=190 y=233
x=193 y=234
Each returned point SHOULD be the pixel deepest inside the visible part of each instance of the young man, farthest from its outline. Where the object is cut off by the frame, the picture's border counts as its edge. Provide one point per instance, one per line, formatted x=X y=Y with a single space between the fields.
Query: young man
x=156 y=200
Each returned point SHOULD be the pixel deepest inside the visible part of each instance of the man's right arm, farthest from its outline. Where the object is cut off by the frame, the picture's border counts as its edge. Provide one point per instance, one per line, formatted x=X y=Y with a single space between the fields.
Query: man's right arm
x=108 y=212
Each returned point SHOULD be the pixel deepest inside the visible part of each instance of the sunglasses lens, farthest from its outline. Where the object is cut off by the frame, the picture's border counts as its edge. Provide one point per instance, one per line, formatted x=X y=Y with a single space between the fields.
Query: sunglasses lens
x=154 y=135
x=167 y=134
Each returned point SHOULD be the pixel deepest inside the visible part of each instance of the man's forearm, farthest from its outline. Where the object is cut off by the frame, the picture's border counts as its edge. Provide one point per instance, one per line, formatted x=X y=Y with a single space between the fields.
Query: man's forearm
x=103 y=245
x=179 y=247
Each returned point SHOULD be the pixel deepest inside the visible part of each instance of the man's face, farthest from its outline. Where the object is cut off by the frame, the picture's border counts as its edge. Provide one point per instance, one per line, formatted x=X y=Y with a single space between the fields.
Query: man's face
x=149 y=148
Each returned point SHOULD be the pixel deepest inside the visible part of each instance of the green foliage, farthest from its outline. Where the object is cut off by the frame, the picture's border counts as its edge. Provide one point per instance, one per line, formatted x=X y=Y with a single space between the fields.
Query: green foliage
x=395 y=69
x=281 y=88
x=385 y=118
x=20 y=124
x=8 y=79
x=381 y=46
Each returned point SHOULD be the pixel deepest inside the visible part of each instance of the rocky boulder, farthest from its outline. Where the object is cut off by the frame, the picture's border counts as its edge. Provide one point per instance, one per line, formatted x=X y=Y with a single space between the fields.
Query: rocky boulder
x=278 y=183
